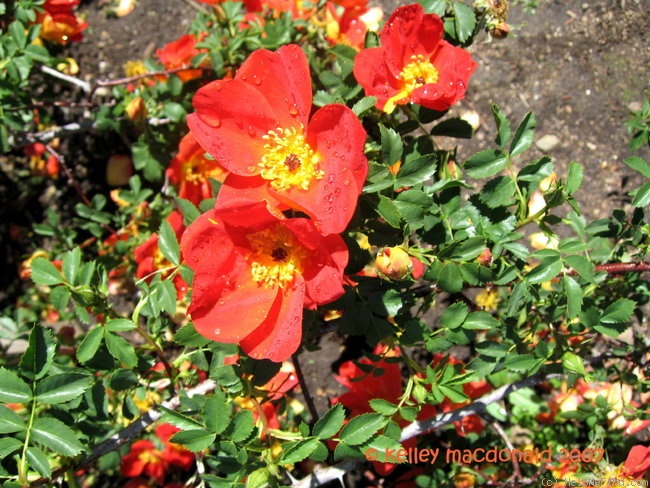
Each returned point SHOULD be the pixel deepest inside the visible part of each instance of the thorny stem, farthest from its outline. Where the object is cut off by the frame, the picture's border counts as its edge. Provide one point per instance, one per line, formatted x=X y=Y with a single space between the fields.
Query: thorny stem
x=515 y=462
x=305 y=389
x=69 y=174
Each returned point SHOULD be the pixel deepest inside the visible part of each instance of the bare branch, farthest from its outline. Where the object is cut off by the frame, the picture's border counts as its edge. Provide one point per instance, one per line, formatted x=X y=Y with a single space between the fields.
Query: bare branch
x=84 y=85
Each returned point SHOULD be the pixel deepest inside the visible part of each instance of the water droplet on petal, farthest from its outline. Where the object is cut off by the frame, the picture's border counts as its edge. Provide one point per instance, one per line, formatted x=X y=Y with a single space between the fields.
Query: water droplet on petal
x=251 y=131
x=217 y=331
x=346 y=182
x=243 y=77
x=337 y=192
x=252 y=168
x=293 y=109
x=257 y=80
x=330 y=210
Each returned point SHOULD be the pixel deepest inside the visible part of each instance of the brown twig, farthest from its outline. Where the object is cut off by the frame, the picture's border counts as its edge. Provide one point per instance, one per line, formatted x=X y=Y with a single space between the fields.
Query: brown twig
x=71 y=179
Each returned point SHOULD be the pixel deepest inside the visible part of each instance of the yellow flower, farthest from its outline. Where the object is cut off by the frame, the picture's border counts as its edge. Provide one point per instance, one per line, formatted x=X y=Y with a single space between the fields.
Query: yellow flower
x=488 y=300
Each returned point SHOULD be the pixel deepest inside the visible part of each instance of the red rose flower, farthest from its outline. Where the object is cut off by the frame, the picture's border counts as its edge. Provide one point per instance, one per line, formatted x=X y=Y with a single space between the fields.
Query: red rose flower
x=190 y=171
x=257 y=126
x=638 y=461
x=179 y=54
x=414 y=64
x=254 y=273
x=59 y=22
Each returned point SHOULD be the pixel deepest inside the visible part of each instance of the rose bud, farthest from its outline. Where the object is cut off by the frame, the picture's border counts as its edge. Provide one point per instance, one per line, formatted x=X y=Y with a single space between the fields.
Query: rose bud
x=393 y=263
x=119 y=169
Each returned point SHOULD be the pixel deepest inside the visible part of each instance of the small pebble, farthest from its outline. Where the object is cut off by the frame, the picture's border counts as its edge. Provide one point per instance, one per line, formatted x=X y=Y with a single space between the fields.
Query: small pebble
x=547 y=142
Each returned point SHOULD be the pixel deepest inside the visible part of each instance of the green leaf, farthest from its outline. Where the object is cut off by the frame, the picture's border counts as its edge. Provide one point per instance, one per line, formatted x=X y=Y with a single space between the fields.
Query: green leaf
x=90 y=344
x=638 y=164
x=180 y=420
x=361 y=428
x=9 y=445
x=242 y=426
x=38 y=461
x=195 y=440
x=389 y=212
x=55 y=435
x=573 y=363
x=121 y=350
x=63 y=387
x=10 y=421
x=523 y=137
x=486 y=163
x=260 y=478
x=188 y=209
x=45 y=273
x=546 y=270
x=168 y=243
x=71 y=264
x=416 y=171
x=618 y=312
x=480 y=321
x=330 y=423
x=39 y=355
x=454 y=316
x=574 y=296
x=498 y=192
x=522 y=362
x=60 y=297
x=464 y=20
x=300 y=451
x=216 y=413
x=642 y=196
x=503 y=127
x=17 y=31
x=120 y=325
x=363 y=105
x=454 y=127
x=391 y=145
x=450 y=278
x=383 y=407
x=582 y=266
x=13 y=389
x=574 y=178
x=188 y=336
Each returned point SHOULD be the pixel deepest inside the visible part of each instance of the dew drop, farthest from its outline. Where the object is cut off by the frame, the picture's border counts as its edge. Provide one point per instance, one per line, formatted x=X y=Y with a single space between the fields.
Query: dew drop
x=293 y=109
x=346 y=182
x=217 y=331
x=251 y=131
x=337 y=192
x=252 y=168
x=243 y=77
x=330 y=178
x=217 y=85
x=221 y=302
x=257 y=80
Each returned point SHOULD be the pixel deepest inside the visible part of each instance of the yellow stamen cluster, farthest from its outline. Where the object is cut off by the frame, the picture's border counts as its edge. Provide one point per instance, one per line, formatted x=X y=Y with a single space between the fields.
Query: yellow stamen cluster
x=288 y=161
x=420 y=71
x=277 y=257
x=197 y=169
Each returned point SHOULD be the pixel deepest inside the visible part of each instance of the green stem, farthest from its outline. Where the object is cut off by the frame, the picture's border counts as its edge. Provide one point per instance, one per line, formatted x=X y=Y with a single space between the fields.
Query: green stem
x=23 y=467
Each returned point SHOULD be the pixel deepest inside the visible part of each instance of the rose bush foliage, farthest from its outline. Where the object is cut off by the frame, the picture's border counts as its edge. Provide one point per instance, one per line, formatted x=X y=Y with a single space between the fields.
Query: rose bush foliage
x=286 y=186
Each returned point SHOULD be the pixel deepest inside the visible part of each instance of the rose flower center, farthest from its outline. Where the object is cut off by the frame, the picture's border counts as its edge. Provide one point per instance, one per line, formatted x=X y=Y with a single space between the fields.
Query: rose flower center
x=288 y=161
x=276 y=257
x=197 y=170
x=418 y=72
